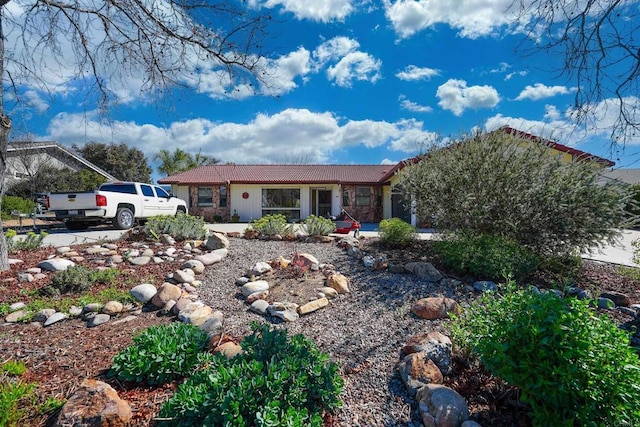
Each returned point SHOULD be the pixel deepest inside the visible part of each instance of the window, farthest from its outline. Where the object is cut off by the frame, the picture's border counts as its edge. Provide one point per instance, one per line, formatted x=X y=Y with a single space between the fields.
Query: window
x=223 y=197
x=345 y=197
x=119 y=188
x=205 y=196
x=147 y=191
x=161 y=192
x=285 y=201
x=363 y=196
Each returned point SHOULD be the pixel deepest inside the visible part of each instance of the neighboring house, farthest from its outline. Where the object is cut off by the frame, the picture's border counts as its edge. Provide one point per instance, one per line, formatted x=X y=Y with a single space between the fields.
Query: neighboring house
x=366 y=192
x=24 y=159
x=628 y=176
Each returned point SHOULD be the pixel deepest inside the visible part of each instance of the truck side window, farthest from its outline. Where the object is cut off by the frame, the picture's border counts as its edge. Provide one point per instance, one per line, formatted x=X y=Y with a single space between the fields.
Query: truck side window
x=119 y=188
x=147 y=190
x=161 y=193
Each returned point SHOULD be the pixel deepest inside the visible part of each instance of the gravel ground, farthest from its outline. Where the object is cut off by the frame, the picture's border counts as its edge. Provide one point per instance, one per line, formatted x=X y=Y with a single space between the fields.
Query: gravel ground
x=362 y=331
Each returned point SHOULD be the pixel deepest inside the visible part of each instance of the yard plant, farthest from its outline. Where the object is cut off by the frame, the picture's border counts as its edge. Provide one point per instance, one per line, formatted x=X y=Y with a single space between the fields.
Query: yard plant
x=180 y=227
x=492 y=184
x=276 y=381
x=272 y=224
x=395 y=232
x=318 y=226
x=572 y=366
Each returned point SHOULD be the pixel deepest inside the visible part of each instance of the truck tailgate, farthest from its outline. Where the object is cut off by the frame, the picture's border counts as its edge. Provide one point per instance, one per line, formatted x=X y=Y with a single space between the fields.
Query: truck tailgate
x=72 y=201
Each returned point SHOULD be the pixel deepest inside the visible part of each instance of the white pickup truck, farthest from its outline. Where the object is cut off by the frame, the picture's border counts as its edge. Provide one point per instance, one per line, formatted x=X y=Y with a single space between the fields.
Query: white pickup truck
x=121 y=203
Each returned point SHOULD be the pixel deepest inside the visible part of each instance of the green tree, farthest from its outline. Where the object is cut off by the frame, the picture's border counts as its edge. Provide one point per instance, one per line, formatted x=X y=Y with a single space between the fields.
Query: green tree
x=52 y=179
x=101 y=47
x=124 y=163
x=599 y=46
x=180 y=161
x=490 y=184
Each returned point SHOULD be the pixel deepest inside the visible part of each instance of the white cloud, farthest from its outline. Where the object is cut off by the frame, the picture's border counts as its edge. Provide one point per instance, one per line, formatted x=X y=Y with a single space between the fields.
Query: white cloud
x=412 y=72
x=265 y=139
x=413 y=106
x=551 y=112
x=472 y=18
x=515 y=73
x=455 y=96
x=316 y=10
x=541 y=91
x=564 y=131
x=389 y=162
x=349 y=63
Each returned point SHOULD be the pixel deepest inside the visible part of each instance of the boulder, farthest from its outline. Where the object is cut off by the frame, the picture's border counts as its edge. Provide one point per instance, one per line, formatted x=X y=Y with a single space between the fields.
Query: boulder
x=166 y=292
x=217 y=241
x=94 y=403
x=56 y=264
x=424 y=270
x=144 y=292
x=440 y=406
x=432 y=345
x=435 y=308
x=339 y=282
x=417 y=371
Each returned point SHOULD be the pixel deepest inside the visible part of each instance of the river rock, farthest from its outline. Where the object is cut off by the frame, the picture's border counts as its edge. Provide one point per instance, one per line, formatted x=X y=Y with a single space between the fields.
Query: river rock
x=252 y=287
x=55 y=318
x=217 y=241
x=196 y=266
x=416 y=372
x=144 y=292
x=56 y=264
x=440 y=406
x=166 y=292
x=312 y=306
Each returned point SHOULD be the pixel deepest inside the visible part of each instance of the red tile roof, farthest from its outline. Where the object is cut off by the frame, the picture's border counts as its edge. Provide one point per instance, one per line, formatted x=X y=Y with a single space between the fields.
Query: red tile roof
x=576 y=154
x=283 y=174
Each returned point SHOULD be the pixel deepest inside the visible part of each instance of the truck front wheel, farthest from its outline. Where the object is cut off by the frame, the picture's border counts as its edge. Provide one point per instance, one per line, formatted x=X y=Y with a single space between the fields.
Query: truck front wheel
x=124 y=219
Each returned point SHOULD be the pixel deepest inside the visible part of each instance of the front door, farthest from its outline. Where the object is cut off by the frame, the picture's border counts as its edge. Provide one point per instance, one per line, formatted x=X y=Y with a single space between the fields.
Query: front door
x=398 y=208
x=321 y=200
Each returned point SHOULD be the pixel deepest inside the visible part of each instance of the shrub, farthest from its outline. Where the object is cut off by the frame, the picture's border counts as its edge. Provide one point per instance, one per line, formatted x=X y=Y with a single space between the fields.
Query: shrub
x=490 y=184
x=395 y=232
x=180 y=227
x=270 y=225
x=318 y=226
x=572 y=366
x=15 y=203
x=275 y=381
x=486 y=257
x=160 y=354
x=31 y=241
x=15 y=395
x=78 y=279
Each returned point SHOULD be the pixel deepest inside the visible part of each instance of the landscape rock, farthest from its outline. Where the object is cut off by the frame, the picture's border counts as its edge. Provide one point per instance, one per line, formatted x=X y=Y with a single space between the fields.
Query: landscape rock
x=339 y=282
x=286 y=311
x=56 y=264
x=228 y=349
x=440 y=406
x=200 y=315
x=209 y=258
x=94 y=404
x=213 y=325
x=55 y=318
x=485 y=286
x=16 y=316
x=98 y=320
x=113 y=307
x=424 y=270
x=259 y=268
x=312 y=306
x=305 y=259
x=435 y=308
x=253 y=287
x=432 y=345
x=166 y=292
x=42 y=315
x=144 y=292
x=217 y=241
x=259 y=306
x=196 y=266
x=183 y=276
x=256 y=296
x=618 y=298
x=328 y=292
x=417 y=371
x=140 y=260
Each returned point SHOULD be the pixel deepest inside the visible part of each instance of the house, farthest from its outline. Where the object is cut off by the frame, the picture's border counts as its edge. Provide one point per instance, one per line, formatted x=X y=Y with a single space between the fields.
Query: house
x=24 y=159
x=366 y=192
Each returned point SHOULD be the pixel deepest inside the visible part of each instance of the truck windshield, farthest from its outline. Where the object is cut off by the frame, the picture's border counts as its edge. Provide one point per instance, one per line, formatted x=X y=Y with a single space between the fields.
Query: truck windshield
x=119 y=188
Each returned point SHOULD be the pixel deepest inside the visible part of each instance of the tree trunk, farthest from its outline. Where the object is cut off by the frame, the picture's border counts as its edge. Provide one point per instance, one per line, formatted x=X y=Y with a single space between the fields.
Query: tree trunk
x=5 y=128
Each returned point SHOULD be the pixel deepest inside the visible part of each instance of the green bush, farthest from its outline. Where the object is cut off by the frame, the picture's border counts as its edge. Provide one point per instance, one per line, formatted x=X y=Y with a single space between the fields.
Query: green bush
x=180 y=227
x=572 y=366
x=78 y=279
x=14 y=203
x=270 y=225
x=396 y=233
x=30 y=242
x=492 y=184
x=318 y=226
x=275 y=381
x=160 y=354
x=15 y=395
x=486 y=257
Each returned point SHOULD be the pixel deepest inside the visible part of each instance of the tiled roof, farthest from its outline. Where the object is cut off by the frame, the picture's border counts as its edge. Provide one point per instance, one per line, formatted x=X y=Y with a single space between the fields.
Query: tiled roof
x=577 y=154
x=282 y=174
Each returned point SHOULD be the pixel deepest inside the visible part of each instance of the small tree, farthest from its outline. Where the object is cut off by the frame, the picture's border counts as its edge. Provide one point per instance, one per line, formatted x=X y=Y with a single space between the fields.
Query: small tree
x=491 y=183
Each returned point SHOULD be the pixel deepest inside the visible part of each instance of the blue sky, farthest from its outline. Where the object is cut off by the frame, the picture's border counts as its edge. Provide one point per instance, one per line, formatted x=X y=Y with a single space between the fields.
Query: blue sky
x=351 y=81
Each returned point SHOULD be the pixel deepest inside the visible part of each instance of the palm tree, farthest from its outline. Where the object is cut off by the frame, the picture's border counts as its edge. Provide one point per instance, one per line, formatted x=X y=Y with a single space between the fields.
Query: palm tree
x=201 y=160
x=172 y=163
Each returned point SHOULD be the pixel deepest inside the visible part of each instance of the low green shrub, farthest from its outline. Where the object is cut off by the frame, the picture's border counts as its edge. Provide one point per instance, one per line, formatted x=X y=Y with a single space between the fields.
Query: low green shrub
x=180 y=227
x=78 y=279
x=270 y=225
x=318 y=226
x=275 y=381
x=486 y=256
x=395 y=232
x=562 y=267
x=160 y=354
x=15 y=395
x=572 y=366
x=15 y=203
x=31 y=241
